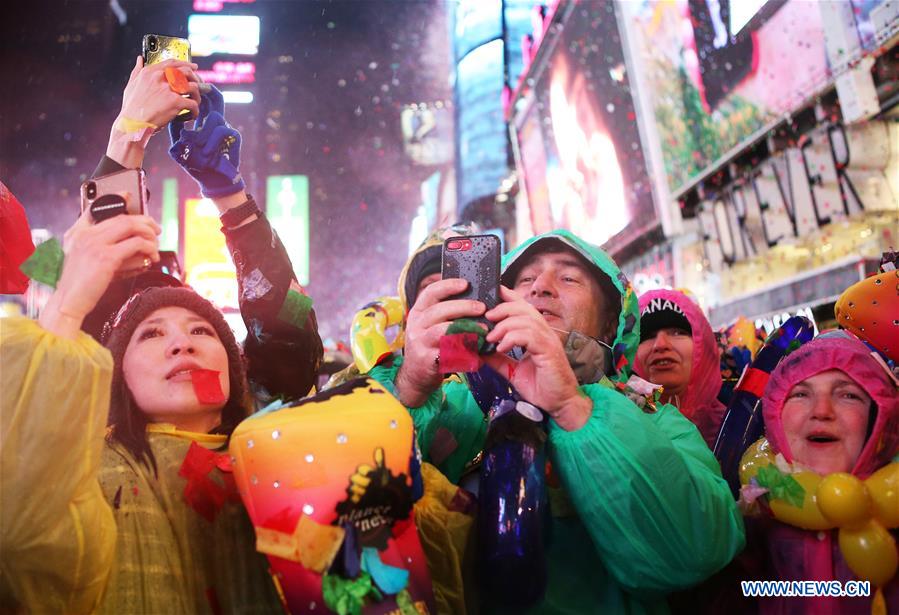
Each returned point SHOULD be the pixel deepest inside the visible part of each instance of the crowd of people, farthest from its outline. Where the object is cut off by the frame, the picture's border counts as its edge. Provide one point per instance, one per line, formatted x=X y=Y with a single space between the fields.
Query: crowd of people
x=101 y=437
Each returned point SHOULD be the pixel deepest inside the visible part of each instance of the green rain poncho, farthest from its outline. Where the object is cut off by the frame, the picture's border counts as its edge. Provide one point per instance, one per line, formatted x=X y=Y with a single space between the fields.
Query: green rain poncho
x=644 y=510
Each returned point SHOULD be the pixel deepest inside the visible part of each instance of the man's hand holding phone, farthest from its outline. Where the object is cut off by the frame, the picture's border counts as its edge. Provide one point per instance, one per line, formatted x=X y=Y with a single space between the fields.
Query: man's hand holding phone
x=148 y=103
x=543 y=376
x=426 y=323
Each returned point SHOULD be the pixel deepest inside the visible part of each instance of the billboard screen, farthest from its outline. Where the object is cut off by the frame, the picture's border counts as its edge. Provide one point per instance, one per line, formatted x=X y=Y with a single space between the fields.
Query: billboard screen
x=229 y=73
x=717 y=72
x=595 y=179
x=232 y=34
x=479 y=122
x=207 y=262
x=287 y=209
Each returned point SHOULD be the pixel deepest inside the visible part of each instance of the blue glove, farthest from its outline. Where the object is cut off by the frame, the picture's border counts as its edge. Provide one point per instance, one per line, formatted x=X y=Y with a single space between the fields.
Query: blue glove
x=210 y=152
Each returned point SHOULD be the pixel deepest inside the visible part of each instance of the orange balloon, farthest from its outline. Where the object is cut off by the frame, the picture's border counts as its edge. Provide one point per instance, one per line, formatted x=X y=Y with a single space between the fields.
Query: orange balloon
x=869 y=308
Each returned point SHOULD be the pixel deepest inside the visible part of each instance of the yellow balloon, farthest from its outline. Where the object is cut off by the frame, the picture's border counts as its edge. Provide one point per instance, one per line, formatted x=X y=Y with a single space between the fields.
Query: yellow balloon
x=368 y=333
x=844 y=500
x=883 y=486
x=758 y=455
x=870 y=552
x=809 y=516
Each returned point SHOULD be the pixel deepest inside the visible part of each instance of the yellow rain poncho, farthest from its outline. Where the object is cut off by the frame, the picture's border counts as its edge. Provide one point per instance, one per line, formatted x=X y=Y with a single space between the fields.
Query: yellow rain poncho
x=84 y=527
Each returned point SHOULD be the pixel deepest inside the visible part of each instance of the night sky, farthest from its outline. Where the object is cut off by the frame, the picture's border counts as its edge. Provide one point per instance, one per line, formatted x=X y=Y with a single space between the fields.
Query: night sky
x=331 y=112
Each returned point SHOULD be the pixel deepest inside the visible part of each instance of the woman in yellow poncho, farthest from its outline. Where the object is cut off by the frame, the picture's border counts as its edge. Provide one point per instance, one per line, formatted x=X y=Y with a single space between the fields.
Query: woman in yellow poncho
x=141 y=518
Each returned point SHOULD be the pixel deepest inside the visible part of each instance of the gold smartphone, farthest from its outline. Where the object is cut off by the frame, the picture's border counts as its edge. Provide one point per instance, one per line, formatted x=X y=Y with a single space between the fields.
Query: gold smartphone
x=157 y=48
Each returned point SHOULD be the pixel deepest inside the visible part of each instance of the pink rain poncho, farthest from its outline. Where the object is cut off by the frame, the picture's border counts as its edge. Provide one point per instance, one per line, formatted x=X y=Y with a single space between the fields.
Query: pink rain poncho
x=700 y=404
x=782 y=552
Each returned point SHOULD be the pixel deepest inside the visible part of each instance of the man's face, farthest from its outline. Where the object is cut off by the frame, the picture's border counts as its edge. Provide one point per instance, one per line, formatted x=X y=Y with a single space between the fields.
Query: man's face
x=564 y=291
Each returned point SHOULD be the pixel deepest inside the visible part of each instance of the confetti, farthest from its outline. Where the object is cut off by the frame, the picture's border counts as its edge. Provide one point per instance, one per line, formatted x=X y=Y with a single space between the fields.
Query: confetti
x=295 y=309
x=201 y=493
x=312 y=544
x=255 y=286
x=207 y=386
x=459 y=353
x=389 y=579
x=45 y=263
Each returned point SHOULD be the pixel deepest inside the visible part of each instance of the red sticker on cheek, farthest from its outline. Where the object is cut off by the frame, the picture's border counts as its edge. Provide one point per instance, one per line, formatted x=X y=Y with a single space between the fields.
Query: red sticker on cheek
x=207 y=386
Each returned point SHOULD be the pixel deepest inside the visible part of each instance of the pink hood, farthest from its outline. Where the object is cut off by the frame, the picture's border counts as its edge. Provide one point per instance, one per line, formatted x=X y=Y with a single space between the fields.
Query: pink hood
x=700 y=404
x=791 y=553
x=837 y=350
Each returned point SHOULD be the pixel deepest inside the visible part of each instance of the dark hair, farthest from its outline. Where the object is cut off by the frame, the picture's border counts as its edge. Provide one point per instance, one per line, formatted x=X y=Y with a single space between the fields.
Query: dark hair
x=127 y=421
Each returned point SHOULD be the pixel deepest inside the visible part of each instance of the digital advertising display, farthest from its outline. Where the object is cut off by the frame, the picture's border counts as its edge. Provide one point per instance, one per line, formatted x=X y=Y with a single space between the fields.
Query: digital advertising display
x=287 y=210
x=580 y=148
x=719 y=71
x=481 y=156
x=207 y=262
x=229 y=73
x=231 y=34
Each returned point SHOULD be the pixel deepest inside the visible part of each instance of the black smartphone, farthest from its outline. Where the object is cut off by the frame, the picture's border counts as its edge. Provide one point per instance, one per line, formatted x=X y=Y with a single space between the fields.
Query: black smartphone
x=475 y=258
x=157 y=48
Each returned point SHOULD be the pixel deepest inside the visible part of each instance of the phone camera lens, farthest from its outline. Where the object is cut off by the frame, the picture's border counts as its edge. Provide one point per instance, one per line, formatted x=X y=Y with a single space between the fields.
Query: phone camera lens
x=152 y=45
x=91 y=190
x=454 y=245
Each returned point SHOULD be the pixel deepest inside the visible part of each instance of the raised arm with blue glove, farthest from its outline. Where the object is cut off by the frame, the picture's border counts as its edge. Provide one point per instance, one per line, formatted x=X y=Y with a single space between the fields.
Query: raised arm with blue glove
x=210 y=152
x=283 y=357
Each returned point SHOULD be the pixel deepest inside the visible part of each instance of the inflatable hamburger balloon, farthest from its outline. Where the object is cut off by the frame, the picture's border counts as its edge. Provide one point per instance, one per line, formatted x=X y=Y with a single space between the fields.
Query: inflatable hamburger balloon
x=328 y=484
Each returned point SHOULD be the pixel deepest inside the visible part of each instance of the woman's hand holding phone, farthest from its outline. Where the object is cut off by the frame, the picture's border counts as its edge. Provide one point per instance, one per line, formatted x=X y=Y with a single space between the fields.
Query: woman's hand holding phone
x=94 y=254
x=149 y=101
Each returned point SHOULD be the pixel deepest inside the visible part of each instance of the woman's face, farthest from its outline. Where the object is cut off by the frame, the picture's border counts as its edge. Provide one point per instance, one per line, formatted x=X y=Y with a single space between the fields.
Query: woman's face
x=163 y=351
x=667 y=359
x=825 y=419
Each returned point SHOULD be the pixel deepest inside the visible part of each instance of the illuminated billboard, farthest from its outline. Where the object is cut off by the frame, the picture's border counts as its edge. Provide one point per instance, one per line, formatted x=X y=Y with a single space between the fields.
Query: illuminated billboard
x=207 y=262
x=579 y=146
x=213 y=6
x=168 y=240
x=231 y=34
x=427 y=133
x=479 y=122
x=229 y=73
x=718 y=73
x=287 y=210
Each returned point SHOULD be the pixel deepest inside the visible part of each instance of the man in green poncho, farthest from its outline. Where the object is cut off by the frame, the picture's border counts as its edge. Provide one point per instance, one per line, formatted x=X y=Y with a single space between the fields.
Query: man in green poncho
x=642 y=509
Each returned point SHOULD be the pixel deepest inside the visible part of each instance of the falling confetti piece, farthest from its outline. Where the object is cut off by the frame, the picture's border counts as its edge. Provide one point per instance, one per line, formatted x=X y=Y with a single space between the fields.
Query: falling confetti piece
x=295 y=309
x=207 y=386
x=45 y=263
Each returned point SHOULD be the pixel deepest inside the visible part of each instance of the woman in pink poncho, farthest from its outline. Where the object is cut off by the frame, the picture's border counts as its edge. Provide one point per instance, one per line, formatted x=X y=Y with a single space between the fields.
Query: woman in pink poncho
x=678 y=351
x=829 y=407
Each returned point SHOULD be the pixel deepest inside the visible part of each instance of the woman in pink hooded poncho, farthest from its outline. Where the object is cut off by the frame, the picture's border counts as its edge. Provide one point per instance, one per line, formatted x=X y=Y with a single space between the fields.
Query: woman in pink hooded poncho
x=678 y=350
x=842 y=435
